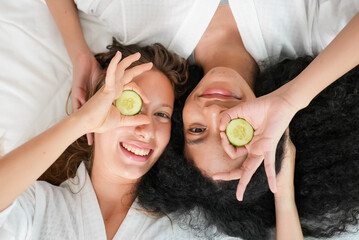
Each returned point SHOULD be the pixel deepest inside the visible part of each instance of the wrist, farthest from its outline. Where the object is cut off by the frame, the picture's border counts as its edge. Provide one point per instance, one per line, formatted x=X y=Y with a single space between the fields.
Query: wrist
x=79 y=122
x=285 y=200
x=80 y=55
x=292 y=94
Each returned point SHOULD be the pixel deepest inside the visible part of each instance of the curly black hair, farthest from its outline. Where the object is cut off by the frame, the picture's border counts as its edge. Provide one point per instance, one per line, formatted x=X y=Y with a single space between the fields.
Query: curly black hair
x=326 y=135
x=174 y=185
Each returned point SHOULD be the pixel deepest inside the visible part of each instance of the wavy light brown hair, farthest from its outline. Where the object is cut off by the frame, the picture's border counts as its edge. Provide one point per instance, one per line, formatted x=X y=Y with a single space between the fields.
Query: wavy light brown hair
x=171 y=65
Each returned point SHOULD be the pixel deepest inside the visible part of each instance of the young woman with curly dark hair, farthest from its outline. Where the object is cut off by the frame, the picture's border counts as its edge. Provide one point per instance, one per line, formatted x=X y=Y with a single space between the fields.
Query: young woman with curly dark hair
x=252 y=218
x=326 y=182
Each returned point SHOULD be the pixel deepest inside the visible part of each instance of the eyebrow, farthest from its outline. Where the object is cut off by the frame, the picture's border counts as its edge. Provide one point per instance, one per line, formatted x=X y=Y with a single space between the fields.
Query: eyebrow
x=196 y=141
x=166 y=105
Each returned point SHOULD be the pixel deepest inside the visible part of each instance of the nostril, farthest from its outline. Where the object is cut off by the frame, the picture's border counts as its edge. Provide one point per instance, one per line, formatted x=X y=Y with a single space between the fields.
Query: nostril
x=144 y=131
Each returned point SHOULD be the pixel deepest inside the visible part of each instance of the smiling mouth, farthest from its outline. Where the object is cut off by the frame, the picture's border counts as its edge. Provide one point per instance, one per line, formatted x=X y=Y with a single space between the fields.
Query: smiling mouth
x=135 y=153
x=218 y=96
x=218 y=93
x=135 y=150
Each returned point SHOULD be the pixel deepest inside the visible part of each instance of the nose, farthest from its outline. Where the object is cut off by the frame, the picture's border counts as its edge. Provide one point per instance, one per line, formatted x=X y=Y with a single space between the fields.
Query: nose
x=145 y=132
x=212 y=113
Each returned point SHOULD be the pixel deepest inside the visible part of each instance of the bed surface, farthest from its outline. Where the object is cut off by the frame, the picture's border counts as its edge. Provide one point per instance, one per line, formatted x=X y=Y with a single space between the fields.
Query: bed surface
x=36 y=72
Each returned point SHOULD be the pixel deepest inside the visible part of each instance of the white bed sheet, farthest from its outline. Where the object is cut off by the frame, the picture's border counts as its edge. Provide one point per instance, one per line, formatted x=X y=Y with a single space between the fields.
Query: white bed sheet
x=36 y=72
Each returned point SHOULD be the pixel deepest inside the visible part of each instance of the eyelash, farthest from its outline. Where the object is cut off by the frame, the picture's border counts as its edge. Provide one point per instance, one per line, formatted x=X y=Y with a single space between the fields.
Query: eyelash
x=162 y=115
x=193 y=130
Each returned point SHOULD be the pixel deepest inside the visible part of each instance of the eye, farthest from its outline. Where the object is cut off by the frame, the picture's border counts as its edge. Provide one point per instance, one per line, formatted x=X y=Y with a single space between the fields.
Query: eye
x=162 y=115
x=197 y=130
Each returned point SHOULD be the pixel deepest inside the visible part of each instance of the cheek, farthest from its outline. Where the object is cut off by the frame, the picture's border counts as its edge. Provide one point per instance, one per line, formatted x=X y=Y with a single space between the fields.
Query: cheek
x=189 y=110
x=163 y=134
x=103 y=139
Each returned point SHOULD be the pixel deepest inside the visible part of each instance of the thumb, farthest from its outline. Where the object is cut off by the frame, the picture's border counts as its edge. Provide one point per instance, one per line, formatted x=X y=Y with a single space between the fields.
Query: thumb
x=228 y=115
x=139 y=119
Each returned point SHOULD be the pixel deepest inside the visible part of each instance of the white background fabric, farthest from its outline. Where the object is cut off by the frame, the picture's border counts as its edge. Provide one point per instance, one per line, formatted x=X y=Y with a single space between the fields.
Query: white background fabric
x=272 y=30
x=71 y=211
x=36 y=72
x=178 y=27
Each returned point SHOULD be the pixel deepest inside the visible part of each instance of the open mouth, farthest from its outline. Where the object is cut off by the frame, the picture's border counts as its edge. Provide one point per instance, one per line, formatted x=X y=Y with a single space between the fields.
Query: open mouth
x=136 y=153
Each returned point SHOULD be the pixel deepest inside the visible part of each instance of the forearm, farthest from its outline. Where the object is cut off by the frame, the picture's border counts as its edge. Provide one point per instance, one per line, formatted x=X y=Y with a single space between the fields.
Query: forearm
x=340 y=56
x=66 y=17
x=21 y=167
x=287 y=219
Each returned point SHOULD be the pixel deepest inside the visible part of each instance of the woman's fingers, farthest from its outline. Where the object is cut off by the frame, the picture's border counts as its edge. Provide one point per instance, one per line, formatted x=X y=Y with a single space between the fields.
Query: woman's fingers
x=228 y=176
x=132 y=73
x=232 y=151
x=269 y=166
x=110 y=81
x=135 y=71
x=248 y=168
x=228 y=115
x=89 y=137
x=136 y=120
x=225 y=119
x=124 y=64
x=117 y=72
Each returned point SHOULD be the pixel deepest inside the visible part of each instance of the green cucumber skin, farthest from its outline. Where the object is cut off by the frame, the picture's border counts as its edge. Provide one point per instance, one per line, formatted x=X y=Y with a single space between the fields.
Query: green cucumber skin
x=228 y=133
x=137 y=99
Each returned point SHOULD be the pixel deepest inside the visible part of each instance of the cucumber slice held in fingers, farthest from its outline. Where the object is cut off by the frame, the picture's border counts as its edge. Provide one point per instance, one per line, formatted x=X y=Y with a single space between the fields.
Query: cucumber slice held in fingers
x=129 y=103
x=239 y=132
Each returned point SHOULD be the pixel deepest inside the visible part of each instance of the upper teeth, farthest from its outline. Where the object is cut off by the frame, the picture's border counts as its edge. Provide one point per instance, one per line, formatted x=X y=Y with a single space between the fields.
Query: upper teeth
x=137 y=151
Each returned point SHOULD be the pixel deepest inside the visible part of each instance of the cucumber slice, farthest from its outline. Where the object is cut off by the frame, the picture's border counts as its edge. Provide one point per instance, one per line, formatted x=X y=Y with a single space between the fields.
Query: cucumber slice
x=129 y=103
x=239 y=132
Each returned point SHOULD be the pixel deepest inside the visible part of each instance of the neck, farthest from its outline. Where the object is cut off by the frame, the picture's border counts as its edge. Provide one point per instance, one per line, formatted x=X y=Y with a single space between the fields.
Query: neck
x=234 y=60
x=114 y=194
x=221 y=46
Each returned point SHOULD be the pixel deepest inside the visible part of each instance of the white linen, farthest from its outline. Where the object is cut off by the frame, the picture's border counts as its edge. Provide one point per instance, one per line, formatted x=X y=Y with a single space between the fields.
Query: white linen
x=272 y=30
x=178 y=26
x=71 y=211
x=35 y=70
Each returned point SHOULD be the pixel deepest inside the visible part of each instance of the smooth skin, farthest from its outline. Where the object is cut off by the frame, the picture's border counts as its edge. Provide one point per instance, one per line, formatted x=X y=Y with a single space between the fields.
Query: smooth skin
x=112 y=184
x=271 y=114
x=221 y=46
x=284 y=198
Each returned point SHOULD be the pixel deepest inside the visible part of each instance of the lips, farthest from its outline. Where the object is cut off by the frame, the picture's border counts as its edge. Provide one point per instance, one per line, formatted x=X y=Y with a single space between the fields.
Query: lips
x=135 y=152
x=218 y=93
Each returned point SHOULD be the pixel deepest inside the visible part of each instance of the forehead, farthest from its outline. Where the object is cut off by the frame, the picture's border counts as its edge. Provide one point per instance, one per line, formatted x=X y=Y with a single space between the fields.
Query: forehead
x=151 y=76
x=154 y=80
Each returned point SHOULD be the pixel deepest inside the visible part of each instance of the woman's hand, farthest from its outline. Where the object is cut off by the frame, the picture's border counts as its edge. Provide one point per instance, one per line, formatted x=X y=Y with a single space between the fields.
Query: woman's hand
x=86 y=70
x=99 y=113
x=269 y=115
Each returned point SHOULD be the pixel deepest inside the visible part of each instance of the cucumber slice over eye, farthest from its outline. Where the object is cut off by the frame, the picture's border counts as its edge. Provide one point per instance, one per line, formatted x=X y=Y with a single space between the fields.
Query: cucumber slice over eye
x=129 y=103
x=239 y=132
